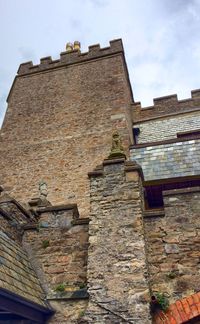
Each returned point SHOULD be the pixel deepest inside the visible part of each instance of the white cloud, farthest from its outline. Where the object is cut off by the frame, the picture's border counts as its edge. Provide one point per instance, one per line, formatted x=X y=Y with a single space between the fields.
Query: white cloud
x=26 y=54
x=161 y=38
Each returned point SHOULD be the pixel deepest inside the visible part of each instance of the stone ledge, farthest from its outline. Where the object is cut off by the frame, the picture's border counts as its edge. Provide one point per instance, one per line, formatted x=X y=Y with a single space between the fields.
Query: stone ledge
x=34 y=202
x=113 y=161
x=188 y=133
x=95 y=173
x=80 y=221
x=72 y=207
x=163 y=116
x=5 y=214
x=30 y=227
x=133 y=166
x=129 y=166
x=98 y=171
x=154 y=213
x=181 y=191
x=69 y=295
x=170 y=180
x=6 y=199
x=164 y=142
x=74 y=222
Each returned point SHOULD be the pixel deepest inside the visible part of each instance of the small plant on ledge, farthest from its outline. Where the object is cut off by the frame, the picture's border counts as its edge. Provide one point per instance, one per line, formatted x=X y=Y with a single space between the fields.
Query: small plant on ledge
x=173 y=274
x=60 y=287
x=82 y=285
x=45 y=244
x=159 y=301
x=81 y=313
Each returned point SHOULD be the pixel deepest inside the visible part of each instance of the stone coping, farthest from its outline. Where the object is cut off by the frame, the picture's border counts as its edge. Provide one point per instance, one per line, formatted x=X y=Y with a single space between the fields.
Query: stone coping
x=74 y=222
x=154 y=213
x=181 y=191
x=72 y=207
x=113 y=161
x=196 y=131
x=166 y=105
x=167 y=115
x=161 y=181
x=95 y=173
x=5 y=214
x=98 y=171
x=6 y=199
x=129 y=166
x=81 y=221
x=72 y=57
x=95 y=52
x=69 y=295
x=170 y=141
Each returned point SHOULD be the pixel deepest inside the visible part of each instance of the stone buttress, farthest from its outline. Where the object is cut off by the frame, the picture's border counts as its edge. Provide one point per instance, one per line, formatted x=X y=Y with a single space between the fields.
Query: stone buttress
x=117 y=269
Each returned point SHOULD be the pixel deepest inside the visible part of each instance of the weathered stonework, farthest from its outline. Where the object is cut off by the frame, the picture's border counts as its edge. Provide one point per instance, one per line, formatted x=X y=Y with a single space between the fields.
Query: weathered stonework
x=12 y=217
x=166 y=106
x=59 y=268
x=68 y=312
x=173 y=244
x=58 y=125
x=57 y=246
x=117 y=269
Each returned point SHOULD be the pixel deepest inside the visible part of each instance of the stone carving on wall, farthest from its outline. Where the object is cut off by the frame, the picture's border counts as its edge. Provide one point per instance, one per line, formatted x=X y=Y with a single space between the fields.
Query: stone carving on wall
x=117 y=150
x=43 y=190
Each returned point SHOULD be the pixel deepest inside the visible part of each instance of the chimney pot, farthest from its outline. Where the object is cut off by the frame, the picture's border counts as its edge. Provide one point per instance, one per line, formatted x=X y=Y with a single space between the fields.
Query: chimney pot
x=69 y=47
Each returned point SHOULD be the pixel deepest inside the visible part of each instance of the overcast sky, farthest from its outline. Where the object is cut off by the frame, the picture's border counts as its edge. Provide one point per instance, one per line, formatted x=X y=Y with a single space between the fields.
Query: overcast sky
x=161 y=39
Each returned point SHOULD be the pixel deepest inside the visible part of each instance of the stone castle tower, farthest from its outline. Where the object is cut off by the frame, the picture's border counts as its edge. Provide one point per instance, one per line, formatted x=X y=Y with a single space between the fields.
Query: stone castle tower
x=112 y=235
x=59 y=122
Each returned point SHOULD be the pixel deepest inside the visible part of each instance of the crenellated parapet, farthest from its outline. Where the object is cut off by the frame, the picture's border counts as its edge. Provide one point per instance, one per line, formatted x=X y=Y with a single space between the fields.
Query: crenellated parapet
x=164 y=106
x=72 y=57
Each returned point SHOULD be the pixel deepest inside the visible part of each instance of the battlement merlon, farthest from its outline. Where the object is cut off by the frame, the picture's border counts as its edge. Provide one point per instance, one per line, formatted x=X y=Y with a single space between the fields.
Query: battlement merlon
x=72 y=57
x=95 y=52
x=166 y=106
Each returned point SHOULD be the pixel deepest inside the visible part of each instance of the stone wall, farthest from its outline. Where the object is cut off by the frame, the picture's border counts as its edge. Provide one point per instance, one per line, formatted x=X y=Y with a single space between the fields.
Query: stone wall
x=166 y=106
x=12 y=218
x=59 y=123
x=68 y=311
x=171 y=160
x=117 y=270
x=167 y=128
x=173 y=244
x=57 y=247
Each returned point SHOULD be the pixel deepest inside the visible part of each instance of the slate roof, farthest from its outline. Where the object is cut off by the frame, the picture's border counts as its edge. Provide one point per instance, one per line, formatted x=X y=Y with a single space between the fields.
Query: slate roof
x=16 y=272
x=170 y=160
